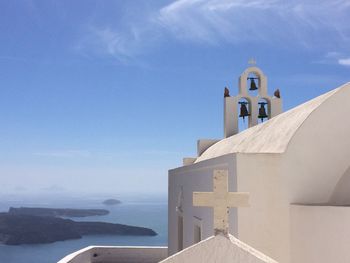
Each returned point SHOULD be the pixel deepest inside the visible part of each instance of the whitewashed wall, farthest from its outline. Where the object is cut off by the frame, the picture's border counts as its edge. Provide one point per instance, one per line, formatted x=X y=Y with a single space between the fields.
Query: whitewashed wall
x=196 y=178
x=318 y=154
x=320 y=234
x=265 y=224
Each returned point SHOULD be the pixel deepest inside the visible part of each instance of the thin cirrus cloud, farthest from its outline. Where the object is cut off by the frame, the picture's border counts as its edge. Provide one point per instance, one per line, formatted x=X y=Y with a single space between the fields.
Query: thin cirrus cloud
x=105 y=41
x=122 y=42
x=344 y=61
x=335 y=57
x=260 y=20
x=321 y=25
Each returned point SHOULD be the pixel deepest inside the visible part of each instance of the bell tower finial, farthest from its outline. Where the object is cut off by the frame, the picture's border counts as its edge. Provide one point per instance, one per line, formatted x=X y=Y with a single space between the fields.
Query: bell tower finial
x=252 y=62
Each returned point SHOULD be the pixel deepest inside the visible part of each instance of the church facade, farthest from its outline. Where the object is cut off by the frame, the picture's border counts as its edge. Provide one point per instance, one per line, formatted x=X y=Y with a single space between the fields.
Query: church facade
x=295 y=166
x=277 y=191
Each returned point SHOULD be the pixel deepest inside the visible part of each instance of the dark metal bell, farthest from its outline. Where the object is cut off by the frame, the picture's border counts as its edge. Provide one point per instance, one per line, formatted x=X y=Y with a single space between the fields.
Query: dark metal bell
x=244 y=110
x=252 y=84
x=262 y=111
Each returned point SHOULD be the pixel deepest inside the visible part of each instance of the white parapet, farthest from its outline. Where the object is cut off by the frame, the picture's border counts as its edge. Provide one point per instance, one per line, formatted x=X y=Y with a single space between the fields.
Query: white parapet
x=204 y=144
x=188 y=161
x=109 y=254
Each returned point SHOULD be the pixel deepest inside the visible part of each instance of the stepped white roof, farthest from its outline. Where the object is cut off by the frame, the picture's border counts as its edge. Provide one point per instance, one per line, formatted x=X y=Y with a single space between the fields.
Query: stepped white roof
x=272 y=136
x=219 y=249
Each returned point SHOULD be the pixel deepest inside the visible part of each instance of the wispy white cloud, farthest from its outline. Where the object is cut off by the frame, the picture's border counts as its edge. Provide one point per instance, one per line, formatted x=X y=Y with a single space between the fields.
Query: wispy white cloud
x=106 y=41
x=117 y=42
x=272 y=21
x=312 y=24
x=335 y=57
x=213 y=21
x=344 y=61
x=122 y=42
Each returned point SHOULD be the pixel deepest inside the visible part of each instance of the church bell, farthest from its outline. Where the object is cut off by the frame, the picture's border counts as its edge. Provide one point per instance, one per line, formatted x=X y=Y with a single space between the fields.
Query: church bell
x=253 y=84
x=262 y=111
x=244 y=110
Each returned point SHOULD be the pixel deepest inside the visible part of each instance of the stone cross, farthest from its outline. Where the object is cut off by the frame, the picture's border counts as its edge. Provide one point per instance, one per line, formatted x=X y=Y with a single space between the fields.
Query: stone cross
x=221 y=200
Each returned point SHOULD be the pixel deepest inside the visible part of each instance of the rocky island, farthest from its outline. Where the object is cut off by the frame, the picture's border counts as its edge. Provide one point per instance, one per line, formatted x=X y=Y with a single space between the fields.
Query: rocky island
x=17 y=229
x=111 y=202
x=64 y=212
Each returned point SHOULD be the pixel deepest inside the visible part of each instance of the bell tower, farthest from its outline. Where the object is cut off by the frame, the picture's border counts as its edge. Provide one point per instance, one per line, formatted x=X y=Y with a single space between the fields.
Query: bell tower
x=253 y=104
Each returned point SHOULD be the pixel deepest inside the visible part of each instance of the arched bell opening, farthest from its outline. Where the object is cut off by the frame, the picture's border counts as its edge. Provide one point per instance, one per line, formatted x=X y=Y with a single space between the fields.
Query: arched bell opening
x=244 y=114
x=264 y=110
x=253 y=84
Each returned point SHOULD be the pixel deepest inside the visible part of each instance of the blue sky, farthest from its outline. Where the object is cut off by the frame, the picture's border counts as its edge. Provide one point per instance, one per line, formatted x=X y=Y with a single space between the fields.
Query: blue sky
x=106 y=96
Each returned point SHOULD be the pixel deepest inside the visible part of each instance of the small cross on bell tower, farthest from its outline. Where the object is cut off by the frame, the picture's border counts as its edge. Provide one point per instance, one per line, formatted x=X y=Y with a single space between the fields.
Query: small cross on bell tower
x=257 y=104
x=252 y=61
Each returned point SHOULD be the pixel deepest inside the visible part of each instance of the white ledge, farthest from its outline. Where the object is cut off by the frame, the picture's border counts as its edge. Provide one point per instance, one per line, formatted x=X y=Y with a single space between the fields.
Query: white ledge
x=117 y=254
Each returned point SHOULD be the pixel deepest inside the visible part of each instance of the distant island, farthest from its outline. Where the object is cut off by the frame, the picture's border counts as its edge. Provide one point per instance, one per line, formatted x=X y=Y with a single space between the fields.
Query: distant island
x=111 y=202
x=17 y=229
x=65 y=212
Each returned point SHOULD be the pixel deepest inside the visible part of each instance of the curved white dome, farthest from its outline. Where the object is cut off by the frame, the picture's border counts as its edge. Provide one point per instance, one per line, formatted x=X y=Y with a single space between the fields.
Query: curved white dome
x=272 y=136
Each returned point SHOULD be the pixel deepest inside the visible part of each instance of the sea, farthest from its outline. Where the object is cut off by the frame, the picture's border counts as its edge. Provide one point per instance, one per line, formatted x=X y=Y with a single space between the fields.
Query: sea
x=146 y=211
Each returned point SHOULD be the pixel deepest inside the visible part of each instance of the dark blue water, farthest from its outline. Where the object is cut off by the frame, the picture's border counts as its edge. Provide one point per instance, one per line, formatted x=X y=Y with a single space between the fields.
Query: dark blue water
x=149 y=212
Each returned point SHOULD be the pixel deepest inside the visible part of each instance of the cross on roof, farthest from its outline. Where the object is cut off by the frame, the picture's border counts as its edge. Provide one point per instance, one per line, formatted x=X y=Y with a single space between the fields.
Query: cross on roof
x=252 y=62
x=221 y=200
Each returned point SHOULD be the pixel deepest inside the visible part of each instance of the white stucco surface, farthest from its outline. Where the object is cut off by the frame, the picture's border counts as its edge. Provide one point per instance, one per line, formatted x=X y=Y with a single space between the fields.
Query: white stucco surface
x=320 y=234
x=272 y=136
x=317 y=158
x=219 y=249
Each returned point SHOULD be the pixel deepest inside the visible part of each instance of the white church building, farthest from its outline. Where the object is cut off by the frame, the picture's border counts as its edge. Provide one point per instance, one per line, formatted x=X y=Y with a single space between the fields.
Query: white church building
x=286 y=177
